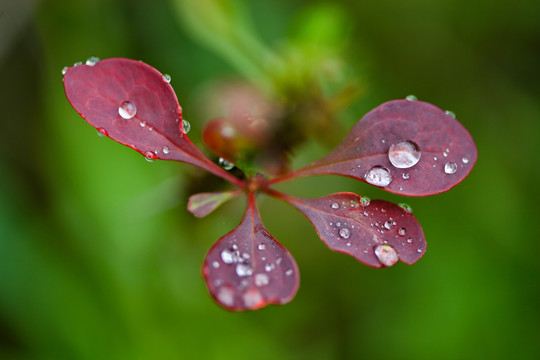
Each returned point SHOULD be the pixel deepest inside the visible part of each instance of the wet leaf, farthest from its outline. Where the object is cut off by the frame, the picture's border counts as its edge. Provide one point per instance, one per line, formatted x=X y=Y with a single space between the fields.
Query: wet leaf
x=248 y=269
x=406 y=147
x=377 y=233
x=203 y=204
x=134 y=104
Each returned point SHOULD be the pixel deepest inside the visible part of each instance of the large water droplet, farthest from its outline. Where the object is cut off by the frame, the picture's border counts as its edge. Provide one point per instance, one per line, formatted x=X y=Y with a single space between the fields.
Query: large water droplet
x=186 y=125
x=226 y=296
x=345 y=233
x=261 y=280
x=402 y=232
x=404 y=154
x=406 y=207
x=167 y=78
x=386 y=255
x=388 y=225
x=64 y=70
x=450 y=113
x=127 y=110
x=450 y=167
x=335 y=206
x=244 y=269
x=227 y=165
x=92 y=60
x=364 y=201
x=465 y=160
x=411 y=98
x=166 y=149
x=378 y=176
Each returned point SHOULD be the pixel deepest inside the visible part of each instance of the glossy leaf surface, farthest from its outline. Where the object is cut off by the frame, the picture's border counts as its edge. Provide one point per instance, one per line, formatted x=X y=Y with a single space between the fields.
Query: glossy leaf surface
x=203 y=204
x=430 y=150
x=134 y=104
x=375 y=232
x=248 y=269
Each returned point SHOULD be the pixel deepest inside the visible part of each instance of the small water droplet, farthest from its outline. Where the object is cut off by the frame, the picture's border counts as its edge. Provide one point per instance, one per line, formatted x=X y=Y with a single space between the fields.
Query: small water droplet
x=406 y=207
x=404 y=154
x=450 y=167
x=386 y=255
x=383 y=141
x=268 y=267
x=261 y=280
x=364 y=201
x=166 y=149
x=142 y=123
x=406 y=176
x=78 y=63
x=388 y=225
x=445 y=154
x=127 y=110
x=253 y=299
x=261 y=247
x=402 y=232
x=102 y=132
x=92 y=60
x=167 y=78
x=150 y=156
x=186 y=125
x=227 y=256
x=419 y=250
x=64 y=70
x=378 y=176
x=344 y=233
x=227 y=165
x=226 y=296
x=243 y=269
x=409 y=240
x=411 y=98
x=335 y=206
x=215 y=264
x=450 y=113
x=465 y=160
x=435 y=158
x=289 y=272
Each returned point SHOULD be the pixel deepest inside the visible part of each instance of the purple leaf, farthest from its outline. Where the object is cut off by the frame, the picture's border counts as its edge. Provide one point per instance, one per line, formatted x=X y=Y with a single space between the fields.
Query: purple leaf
x=203 y=204
x=377 y=233
x=134 y=104
x=248 y=269
x=406 y=147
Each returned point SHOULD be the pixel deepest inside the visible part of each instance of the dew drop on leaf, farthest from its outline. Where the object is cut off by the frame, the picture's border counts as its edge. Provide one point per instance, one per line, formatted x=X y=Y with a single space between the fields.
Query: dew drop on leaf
x=92 y=60
x=64 y=70
x=261 y=280
x=127 y=110
x=102 y=132
x=227 y=165
x=450 y=167
x=378 y=176
x=450 y=113
x=167 y=78
x=345 y=233
x=404 y=154
x=365 y=201
x=243 y=269
x=386 y=255
x=402 y=232
x=406 y=176
x=227 y=256
x=186 y=125
x=166 y=149
x=465 y=160
x=406 y=207
x=335 y=206
x=411 y=98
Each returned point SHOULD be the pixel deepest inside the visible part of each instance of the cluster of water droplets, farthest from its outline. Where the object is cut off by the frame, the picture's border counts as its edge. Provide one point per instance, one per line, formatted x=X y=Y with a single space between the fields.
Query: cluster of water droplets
x=91 y=61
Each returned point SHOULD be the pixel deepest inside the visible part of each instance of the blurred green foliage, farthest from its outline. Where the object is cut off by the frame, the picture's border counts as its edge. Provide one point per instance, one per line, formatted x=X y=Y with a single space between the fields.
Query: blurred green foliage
x=100 y=260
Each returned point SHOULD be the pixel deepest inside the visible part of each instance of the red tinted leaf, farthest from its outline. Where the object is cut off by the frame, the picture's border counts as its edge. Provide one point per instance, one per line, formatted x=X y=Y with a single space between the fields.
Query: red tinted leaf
x=132 y=103
x=375 y=232
x=203 y=204
x=248 y=269
x=397 y=129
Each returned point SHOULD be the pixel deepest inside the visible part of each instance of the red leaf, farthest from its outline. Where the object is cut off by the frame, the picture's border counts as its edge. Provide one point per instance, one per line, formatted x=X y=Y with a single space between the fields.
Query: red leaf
x=248 y=269
x=406 y=147
x=376 y=232
x=134 y=104
x=203 y=204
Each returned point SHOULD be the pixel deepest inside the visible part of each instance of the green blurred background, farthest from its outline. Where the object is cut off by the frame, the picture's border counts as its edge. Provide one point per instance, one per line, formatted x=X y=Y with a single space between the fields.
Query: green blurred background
x=99 y=259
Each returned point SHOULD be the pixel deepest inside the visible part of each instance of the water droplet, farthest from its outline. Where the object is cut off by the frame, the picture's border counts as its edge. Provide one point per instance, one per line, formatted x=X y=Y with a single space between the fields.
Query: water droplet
x=228 y=257
x=450 y=113
x=386 y=255
x=226 y=296
x=227 y=165
x=435 y=158
x=404 y=154
x=167 y=78
x=344 y=233
x=289 y=272
x=253 y=299
x=102 y=132
x=409 y=240
x=445 y=154
x=127 y=110
x=261 y=247
x=261 y=280
x=388 y=225
x=411 y=98
x=64 y=70
x=92 y=60
x=365 y=201
x=419 y=250
x=402 y=232
x=78 y=63
x=378 y=176
x=243 y=269
x=406 y=207
x=166 y=149
x=186 y=125
x=150 y=156
x=142 y=123
x=268 y=267
x=465 y=160
x=335 y=206
x=450 y=167
x=405 y=176
x=215 y=264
